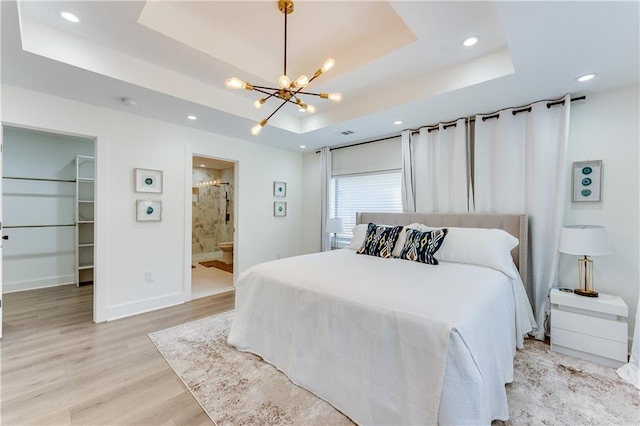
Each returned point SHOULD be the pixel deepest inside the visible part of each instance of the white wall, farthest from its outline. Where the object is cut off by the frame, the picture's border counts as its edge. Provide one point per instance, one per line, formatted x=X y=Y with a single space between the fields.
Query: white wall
x=605 y=127
x=125 y=249
x=39 y=257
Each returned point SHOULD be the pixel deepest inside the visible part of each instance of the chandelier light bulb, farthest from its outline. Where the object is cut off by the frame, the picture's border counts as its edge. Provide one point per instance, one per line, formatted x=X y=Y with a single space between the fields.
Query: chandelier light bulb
x=302 y=81
x=284 y=82
x=235 y=83
x=259 y=102
x=335 y=97
x=255 y=130
x=328 y=64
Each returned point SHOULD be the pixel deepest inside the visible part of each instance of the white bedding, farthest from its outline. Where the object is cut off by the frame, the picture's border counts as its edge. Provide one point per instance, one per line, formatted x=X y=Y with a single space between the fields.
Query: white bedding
x=386 y=341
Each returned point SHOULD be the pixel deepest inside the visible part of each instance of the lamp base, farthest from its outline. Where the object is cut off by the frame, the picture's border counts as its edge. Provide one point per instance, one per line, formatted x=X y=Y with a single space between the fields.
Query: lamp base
x=587 y=293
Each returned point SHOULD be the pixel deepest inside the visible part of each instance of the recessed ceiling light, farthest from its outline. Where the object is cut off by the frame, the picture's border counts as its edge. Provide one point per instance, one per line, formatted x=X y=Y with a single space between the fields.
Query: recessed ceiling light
x=192 y=117
x=303 y=146
x=202 y=165
x=69 y=16
x=470 y=41
x=397 y=122
x=586 y=77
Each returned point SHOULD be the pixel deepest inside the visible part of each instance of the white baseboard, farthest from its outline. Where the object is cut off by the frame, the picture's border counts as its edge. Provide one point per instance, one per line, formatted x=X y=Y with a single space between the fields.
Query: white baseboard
x=142 y=306
x=39 y=283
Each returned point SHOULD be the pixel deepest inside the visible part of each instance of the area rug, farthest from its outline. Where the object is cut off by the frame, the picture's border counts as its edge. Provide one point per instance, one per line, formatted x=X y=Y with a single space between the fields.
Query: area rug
x=217 y=264
x=234 y=387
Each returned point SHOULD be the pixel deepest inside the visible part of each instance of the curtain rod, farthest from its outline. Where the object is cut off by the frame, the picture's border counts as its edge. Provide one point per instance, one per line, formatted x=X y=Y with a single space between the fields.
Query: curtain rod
x=452 y=123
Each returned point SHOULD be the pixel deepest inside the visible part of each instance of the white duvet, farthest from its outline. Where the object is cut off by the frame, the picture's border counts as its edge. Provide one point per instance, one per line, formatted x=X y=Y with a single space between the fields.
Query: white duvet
x=386 y=341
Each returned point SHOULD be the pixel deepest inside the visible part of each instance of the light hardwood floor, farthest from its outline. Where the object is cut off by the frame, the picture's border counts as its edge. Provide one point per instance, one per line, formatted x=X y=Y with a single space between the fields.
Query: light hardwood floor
x=59 y=368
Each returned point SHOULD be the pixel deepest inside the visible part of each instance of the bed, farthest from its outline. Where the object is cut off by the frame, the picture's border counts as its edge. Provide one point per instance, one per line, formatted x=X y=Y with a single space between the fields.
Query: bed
x=392 y=341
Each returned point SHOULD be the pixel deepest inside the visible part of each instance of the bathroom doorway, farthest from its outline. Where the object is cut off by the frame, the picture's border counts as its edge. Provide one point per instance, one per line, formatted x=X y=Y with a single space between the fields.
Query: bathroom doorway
x=212 y=226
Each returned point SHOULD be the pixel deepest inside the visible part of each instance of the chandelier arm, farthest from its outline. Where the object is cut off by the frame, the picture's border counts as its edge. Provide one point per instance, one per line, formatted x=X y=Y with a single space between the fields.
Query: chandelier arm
x=307 y=93
x=267 y=88
x=266 y=93
x=277 y=109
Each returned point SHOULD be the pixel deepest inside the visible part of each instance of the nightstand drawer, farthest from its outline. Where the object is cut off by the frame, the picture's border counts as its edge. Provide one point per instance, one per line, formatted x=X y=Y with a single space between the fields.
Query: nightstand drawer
x=589 y=344
x=591 y=326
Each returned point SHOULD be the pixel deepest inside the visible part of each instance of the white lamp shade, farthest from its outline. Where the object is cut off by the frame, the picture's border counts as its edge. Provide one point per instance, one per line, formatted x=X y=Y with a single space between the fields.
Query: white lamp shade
x=584 y=240
x=335 y=225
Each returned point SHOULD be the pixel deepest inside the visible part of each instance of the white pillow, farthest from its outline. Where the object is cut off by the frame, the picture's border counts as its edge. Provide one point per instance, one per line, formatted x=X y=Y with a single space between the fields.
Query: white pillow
x=479 y=246
x=359 y=234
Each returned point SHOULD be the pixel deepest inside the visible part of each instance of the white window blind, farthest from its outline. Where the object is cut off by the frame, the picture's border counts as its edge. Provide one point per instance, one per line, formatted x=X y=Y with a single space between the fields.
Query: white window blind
x=371 y=192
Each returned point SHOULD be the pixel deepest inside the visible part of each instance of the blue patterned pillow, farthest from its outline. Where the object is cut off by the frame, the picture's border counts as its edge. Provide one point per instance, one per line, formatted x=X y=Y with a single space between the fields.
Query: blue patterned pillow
x=380 y=240
x=422 y=246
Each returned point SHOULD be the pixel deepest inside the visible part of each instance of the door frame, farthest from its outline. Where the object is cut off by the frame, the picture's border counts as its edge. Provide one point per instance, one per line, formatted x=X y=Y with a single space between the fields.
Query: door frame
x=188 y=212
x=100 y=193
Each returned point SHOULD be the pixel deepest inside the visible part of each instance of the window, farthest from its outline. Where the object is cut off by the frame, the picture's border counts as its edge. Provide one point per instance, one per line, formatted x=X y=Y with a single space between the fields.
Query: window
x=370 y=192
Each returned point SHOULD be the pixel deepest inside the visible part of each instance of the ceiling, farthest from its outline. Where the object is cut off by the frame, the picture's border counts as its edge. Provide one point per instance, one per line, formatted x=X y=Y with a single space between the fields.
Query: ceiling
x=395 y=60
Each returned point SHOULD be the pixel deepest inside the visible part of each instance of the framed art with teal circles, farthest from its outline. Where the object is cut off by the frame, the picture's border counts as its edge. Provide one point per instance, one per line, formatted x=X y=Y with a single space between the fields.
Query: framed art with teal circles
x=148 y=210
x=587 y=180
x=280 y=208
x=148 y=180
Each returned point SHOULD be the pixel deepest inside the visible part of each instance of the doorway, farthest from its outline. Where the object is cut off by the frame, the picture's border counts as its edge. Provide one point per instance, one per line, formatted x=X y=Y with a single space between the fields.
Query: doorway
x=48 y=206
x=212 y=226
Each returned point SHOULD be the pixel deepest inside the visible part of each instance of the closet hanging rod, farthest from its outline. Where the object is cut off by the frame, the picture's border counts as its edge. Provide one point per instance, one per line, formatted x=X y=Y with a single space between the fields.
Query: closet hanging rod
x=37 y=226
x=39 y=179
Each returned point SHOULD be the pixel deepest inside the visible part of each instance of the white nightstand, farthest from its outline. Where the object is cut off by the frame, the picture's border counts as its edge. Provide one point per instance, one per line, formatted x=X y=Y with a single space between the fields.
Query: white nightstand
x=591 y=328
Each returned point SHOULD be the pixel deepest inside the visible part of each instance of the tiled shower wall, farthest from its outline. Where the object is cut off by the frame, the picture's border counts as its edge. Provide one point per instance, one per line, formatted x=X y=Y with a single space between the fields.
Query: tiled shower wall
x=215 y=203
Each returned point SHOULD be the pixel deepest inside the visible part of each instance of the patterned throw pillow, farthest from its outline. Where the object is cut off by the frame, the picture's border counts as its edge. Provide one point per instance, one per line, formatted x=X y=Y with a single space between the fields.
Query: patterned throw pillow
x=380 y=240
x=422 y=246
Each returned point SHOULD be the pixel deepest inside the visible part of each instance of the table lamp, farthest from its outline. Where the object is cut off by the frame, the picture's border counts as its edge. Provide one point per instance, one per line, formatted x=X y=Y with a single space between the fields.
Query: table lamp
x=585 y=241
x=335 y=226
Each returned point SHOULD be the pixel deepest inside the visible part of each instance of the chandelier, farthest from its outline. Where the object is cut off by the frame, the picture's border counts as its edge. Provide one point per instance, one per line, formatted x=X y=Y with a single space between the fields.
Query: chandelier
x=288 y=91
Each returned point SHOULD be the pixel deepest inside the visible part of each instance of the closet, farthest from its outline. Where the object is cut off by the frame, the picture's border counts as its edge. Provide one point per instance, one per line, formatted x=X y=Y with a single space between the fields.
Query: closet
x=48 y=209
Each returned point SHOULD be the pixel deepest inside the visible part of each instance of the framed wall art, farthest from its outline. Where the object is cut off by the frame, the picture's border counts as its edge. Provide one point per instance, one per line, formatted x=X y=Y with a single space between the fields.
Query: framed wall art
x=148 y=210
x=279 y=208
x=148 y=180
x=587 y=180
x=279 y=189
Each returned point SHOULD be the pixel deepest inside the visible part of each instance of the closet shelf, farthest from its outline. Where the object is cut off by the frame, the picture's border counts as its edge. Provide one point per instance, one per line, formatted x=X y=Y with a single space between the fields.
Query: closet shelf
x=83 y=267
x=85 y=245
x=86 y=201
x=85 y=221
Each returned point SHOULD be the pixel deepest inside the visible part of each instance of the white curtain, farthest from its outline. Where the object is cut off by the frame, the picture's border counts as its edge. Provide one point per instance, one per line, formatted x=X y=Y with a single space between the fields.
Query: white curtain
x=520 y=166
x=631 y=371
x=325 y=190
x=408 y=200
x=441 y=169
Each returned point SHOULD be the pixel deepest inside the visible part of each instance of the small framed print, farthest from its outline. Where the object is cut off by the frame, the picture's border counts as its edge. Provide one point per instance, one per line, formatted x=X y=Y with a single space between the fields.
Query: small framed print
x=587 y=180
x=148 y=210
x=279 y=189
x=279 y=208
x=148 y=180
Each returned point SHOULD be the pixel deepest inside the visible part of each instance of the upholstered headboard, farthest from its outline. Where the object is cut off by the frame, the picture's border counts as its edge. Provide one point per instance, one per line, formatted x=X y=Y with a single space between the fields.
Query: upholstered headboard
x=514 y=224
